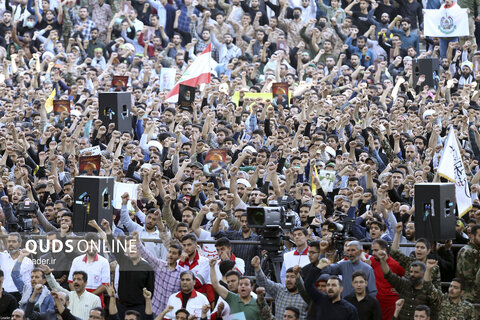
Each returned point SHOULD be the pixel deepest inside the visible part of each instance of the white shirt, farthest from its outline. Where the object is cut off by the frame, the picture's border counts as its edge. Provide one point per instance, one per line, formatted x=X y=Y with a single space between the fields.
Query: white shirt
x=98 y=271
x=239 y=266
x=79 y=306
x=290 y=260
x=194 y=304
x=6 y=264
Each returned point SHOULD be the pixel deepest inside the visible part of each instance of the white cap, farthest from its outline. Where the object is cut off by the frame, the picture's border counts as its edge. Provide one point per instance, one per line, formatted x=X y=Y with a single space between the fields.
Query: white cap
x=244 y=182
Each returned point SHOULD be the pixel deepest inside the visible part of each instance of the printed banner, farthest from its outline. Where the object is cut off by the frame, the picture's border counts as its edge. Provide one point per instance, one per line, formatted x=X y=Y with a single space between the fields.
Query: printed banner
x=451 y=22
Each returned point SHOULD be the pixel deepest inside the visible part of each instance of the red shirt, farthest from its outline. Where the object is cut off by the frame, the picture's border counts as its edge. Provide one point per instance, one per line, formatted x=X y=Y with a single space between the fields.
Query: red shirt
x=386 y=294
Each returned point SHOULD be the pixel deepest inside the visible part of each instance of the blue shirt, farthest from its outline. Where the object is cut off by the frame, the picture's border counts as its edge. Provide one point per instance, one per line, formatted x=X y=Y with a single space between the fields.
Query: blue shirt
x=411 y=40
x=346 y=269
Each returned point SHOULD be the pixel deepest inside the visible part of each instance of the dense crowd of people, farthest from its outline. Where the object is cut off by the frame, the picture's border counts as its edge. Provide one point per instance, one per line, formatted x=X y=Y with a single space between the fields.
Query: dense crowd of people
x=342 y=151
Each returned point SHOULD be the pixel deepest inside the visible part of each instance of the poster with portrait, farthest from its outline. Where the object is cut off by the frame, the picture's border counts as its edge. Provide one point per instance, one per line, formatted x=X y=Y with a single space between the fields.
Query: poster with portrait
x=280 y=93
x=167 y=79
x=148 y=34
x=215 y=161
x=327 y=180
x=126 y=7
x=476 y=64
x=186 y=96
x=119 y=83
x=89 y=165
x=60 y=106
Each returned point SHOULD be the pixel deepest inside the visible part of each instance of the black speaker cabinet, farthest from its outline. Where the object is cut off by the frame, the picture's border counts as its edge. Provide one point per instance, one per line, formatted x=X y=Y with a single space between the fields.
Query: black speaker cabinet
x=116 y=107
x=428 y=67
x=435 y=211
x=93 y=201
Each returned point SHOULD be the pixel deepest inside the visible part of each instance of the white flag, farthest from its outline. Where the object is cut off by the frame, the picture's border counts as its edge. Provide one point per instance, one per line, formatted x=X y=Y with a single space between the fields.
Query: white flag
x=197 y=73
x=451 y=168
x=451 y=22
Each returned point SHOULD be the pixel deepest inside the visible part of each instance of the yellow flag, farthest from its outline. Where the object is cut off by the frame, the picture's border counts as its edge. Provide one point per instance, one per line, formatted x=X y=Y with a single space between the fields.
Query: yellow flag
x=49 y=102
x=315 y=175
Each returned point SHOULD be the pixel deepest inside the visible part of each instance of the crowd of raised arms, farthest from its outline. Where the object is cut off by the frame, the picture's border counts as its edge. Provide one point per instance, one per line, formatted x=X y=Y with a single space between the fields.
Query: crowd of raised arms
x=358 y=129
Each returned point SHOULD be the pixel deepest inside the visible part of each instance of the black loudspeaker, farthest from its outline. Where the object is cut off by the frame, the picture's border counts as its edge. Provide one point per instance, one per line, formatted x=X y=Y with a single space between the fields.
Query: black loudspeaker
x=429 y=67
x=435 y=211
x=93 y=201
x=116 y=107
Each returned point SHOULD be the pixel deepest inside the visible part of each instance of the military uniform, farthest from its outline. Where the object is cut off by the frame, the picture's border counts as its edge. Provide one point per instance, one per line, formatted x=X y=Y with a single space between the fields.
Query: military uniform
x=405 y=262
x=468 y=264
x=463 y=310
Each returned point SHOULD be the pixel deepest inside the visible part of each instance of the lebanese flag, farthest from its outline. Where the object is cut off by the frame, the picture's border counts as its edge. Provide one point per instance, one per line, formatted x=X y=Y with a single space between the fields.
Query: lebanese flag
x=197 y=73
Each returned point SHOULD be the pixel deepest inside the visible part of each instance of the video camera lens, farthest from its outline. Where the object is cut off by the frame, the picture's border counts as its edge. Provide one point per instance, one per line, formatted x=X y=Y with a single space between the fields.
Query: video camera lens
x=256 y=216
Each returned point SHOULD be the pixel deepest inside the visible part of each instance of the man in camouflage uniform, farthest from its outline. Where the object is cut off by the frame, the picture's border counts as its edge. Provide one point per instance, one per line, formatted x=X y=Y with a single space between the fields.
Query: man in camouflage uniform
x=453 y=304
x=405 y=261
x=468 y=265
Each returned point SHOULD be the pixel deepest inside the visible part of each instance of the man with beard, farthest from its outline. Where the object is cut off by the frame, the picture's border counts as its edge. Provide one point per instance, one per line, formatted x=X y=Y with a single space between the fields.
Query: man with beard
x=330 y=305
x=346 y=268
x=94 y=44
x=226 y=51
x=386 y=296
x=252 y=10
x=453 y=305
x=384 y=19
x=467 y=265
x=408 y=38
x=167 y=273
x=466 y=76
x=414 y=290
x=284 y=295
x=245 y=252
x=7 y=261
x=149 y=231
x=446 y=66
x=81 y=301
x=96 y=267
x=421 y=253
x=408 y=238
x=135 y=274
x=82 y=23
x=174 y=46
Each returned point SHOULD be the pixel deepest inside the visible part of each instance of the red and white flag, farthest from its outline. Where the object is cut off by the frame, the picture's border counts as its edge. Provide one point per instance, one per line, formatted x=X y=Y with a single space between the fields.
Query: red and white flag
x=197 y=73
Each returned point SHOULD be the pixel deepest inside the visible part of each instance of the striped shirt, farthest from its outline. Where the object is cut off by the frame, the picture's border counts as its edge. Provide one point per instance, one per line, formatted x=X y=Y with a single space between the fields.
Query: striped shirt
x=283 y=297
x=167 y=282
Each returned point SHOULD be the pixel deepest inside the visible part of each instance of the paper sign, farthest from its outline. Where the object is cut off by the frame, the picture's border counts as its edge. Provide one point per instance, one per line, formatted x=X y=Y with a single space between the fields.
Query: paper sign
x=119 y=188
x=92 y=151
